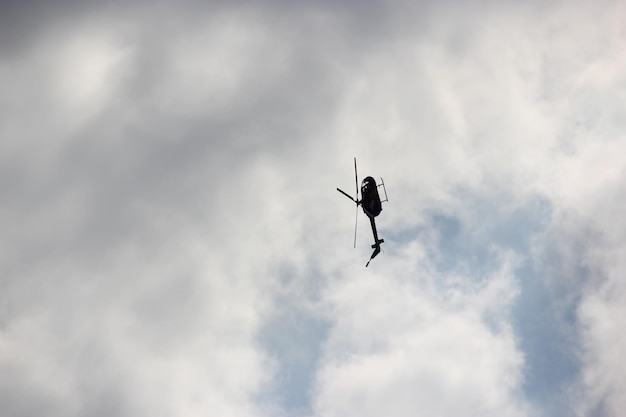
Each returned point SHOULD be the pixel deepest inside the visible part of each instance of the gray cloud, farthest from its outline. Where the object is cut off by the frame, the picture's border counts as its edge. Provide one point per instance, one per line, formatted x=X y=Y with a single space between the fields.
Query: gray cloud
x=172 y=242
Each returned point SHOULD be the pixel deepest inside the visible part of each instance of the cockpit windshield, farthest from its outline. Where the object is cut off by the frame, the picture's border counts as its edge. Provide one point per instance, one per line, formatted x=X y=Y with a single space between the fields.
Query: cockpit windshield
x=365 y=186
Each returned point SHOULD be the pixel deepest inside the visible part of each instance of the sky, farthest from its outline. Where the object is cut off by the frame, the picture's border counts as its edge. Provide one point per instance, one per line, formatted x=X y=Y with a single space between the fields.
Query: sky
x=173 y=244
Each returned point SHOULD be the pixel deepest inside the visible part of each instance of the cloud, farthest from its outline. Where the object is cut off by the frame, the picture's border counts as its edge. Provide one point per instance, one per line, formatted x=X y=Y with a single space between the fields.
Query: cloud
x=400 y=345
x=173 y=244
x=595 y=246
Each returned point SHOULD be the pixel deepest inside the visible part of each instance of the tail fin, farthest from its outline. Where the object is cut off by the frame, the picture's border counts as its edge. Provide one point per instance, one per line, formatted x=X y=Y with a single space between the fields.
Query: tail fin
x=376 y=248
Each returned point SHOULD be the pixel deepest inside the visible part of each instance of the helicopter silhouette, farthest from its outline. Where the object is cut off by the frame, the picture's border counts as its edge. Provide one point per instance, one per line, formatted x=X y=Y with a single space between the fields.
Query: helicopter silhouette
x=371 y=204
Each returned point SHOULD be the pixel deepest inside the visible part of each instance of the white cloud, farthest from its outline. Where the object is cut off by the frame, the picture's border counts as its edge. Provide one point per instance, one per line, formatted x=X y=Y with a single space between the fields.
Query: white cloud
x=591 y=223
x=168 y=203
x=399 y=346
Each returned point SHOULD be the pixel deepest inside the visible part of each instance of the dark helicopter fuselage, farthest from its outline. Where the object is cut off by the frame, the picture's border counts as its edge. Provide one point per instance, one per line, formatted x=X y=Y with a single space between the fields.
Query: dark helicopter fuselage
x=372 y=206
x=370 y=200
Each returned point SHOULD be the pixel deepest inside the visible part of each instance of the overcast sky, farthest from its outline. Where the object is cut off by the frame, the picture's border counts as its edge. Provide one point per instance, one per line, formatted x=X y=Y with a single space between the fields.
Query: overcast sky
x=172 y=243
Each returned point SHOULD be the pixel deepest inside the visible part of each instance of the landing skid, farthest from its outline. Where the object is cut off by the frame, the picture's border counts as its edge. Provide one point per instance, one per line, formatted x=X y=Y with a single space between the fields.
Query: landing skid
x=382 y=184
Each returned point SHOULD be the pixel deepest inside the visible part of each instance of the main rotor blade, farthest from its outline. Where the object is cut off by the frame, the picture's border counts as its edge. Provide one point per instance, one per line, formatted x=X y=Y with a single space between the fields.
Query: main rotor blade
x=346 y=194
x=356 y=180
x=356 y=222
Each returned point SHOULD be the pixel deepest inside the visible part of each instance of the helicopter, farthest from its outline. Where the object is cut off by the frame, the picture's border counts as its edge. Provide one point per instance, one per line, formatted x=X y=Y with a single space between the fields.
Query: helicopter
x=371 y=204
